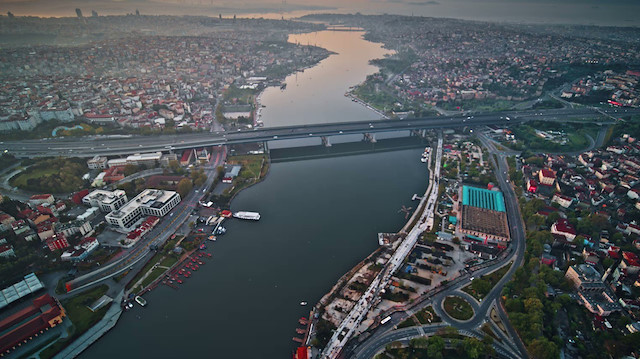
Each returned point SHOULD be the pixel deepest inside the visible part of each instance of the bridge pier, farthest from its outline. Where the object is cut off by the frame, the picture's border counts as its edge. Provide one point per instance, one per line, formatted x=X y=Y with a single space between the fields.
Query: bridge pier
x=265 y=147
x=422 y=133
x=369 y=137
x=325 y=141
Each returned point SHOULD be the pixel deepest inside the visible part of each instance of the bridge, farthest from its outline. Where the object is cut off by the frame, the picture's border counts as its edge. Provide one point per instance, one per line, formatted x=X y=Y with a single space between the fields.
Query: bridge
x=122 y=145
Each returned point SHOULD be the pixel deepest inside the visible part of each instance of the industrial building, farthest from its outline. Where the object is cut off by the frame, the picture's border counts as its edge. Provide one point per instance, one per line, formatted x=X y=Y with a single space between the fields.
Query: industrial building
x=483 y=215
x=22 y=326
x=150 y=202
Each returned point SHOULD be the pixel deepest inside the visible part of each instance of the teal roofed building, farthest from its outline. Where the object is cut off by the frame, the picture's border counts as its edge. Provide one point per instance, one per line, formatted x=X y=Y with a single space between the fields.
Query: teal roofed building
x=483 y=198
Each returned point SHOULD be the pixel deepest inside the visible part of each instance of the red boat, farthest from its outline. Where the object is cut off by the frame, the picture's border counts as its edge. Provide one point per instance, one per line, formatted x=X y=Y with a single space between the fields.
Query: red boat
x=208 y=254
x=179 y=281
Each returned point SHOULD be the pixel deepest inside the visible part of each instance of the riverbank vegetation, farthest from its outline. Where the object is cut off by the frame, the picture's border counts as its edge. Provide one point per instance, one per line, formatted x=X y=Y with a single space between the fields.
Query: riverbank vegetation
x=254 y=169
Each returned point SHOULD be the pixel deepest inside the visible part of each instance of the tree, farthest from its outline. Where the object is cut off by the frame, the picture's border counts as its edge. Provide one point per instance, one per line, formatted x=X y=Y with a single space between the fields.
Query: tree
x=541 y=348
x=184 y=187
x=435 y=347
x=130 y=169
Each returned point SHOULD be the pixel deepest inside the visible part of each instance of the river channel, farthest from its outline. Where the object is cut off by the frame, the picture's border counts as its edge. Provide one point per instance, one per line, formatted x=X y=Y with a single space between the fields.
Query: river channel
x=319 y=218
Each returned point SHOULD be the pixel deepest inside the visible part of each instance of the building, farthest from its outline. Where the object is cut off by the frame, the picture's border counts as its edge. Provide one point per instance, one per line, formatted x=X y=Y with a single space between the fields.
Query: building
x=81 y=251
x=231 y=174
x=22 y=326
x=147 y=159
x=151 y=202
x=71 y=228
x=107 y=201
x=564 y=228
x=585 y=277
x=187 y=157
x=57 y=241
x=97 y=162
x=39 y=199
x=630 y=263
x=562 y=200
x=6 y=251
x=30 y=284
x=483 y=214
x=593 y=293
x=113 y=174
x=546 y=177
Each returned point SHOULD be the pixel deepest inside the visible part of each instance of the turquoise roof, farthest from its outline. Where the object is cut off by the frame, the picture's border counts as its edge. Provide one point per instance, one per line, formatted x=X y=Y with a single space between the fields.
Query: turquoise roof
x=483 y=198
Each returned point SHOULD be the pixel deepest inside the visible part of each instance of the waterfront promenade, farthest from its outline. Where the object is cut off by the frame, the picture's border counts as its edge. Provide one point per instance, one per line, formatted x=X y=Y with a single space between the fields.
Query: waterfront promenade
x=349 y=325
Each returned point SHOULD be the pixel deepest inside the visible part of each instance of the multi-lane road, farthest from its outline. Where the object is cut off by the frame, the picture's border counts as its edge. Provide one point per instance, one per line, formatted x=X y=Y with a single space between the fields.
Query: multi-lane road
x=120 y=145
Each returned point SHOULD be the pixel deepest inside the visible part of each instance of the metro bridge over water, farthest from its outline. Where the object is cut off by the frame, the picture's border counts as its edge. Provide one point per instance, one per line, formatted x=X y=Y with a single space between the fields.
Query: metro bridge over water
x=122 y=145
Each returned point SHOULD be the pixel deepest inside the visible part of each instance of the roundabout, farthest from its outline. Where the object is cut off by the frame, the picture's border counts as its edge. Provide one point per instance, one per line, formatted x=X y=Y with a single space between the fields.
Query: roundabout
x=458 y=308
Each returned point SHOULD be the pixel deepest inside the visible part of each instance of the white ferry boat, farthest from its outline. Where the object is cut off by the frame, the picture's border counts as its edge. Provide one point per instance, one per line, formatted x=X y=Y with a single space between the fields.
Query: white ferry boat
x=140 y=300
x=254 y=216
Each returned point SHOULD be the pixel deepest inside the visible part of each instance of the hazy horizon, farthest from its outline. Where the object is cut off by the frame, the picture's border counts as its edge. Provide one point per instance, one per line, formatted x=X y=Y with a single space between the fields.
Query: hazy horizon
x=588 y=12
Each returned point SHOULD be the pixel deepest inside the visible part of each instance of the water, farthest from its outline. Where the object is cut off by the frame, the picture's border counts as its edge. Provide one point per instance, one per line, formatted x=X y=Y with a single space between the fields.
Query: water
x=317 y=94
x=319 y=218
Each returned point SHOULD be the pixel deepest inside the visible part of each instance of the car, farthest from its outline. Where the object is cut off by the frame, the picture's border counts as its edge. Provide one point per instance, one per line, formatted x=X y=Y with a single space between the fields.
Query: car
x=275 y=137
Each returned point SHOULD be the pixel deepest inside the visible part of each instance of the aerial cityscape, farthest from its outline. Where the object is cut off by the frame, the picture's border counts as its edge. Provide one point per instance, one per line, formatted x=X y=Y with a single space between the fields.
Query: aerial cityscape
x=368 y=179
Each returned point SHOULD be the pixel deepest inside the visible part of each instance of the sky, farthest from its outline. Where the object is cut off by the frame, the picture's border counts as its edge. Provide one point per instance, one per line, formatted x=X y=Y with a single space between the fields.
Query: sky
x=591 y=12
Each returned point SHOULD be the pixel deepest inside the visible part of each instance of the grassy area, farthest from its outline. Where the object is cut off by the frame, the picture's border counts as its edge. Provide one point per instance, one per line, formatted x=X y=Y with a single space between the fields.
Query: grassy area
x=254 y=168
x=407 y=323
x=80 y=315
x=458 y=308
x=427 y=316
x=147 y=267
x=481 y=286
x=53 y=175
x=573 y=133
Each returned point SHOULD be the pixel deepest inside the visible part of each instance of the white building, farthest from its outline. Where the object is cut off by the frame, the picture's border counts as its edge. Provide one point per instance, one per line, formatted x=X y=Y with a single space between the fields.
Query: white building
x=107 y=201
x=144 y=158
x=97 y=162
x=151 y=202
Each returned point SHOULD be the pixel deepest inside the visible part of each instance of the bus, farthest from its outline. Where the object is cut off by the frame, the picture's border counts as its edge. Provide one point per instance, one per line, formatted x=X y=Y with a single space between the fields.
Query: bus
x=385 y=320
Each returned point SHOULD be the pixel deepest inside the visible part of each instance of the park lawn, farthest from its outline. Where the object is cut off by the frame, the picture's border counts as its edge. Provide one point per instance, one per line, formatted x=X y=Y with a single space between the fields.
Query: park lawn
x=21 y=179
x=251 y=165
x=492 y=278
x=407 y=323
x=169 y=261
x=153 y=276
x=458 y=308
x=156 y=257
x=427 y=314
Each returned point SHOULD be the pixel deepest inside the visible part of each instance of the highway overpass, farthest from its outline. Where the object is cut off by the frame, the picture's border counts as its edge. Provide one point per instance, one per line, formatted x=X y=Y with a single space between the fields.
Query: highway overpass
x=122 y=145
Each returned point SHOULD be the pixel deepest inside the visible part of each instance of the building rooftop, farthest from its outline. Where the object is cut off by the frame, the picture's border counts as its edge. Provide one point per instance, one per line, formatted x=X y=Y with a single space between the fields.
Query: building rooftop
x=483 y=198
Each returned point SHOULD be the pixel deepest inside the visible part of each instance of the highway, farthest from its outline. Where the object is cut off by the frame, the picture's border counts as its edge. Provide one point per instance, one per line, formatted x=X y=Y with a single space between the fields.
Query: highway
x=123 y=144
x=387 y=333
x=168 y=225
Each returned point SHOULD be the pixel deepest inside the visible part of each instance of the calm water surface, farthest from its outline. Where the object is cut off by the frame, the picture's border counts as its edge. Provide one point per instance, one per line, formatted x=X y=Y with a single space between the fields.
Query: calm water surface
x=319 y=218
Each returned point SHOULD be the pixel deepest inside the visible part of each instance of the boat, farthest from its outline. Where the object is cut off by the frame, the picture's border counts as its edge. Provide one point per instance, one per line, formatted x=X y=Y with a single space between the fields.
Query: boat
x=212 y=238
x=140 y=301
x=303 y=303
x=220 y=230
x=203 y=246
x=283 y=86
x=424 y=159
x=255 y=216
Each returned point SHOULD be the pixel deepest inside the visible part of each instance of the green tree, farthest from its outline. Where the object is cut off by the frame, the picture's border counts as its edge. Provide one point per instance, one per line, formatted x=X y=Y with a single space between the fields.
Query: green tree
x=184 y=187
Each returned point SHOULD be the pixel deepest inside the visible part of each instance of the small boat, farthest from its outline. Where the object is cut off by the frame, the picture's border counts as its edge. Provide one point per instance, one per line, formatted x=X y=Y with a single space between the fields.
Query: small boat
x=208 y=254
x=140 y=301
x=303 y=303
x=179 y=281
x=212 y=238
